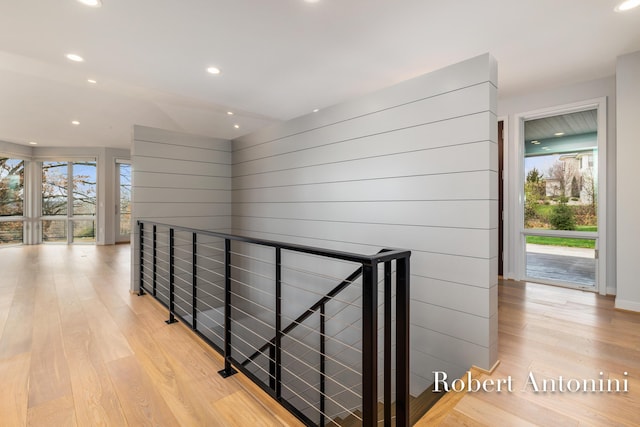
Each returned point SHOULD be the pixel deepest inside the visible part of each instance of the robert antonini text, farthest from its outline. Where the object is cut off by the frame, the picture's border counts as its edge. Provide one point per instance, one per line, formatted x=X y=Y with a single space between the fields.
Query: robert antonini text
x=531 y=384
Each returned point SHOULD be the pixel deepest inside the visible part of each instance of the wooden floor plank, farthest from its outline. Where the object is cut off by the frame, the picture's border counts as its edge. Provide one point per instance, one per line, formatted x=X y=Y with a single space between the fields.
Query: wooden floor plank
x=95 y=400
x=15 y=389
x=253 y=414
x=59 y=413
x=111 y=342
x=180 y=392
x=141 y=403
x=49 y=371
x=18 y=326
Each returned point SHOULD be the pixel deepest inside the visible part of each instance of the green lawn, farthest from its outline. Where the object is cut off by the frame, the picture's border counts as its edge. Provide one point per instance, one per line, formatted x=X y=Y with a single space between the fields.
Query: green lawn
x=566 y=241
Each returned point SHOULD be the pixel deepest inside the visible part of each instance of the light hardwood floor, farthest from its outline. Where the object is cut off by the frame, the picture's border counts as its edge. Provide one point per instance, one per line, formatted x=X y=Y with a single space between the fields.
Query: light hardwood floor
x=554 y=332
x=76 y=348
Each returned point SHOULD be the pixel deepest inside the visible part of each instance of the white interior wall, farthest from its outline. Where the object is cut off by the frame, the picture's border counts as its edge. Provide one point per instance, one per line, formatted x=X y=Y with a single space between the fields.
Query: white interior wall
x=413 y=166
x=179 y=179
x=8 y=149
x=509 y=108
x=628 y=202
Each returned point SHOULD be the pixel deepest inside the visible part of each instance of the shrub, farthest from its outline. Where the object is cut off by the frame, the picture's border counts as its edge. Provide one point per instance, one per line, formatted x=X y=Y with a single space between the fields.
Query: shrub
x=584 y=215
x=561 y=217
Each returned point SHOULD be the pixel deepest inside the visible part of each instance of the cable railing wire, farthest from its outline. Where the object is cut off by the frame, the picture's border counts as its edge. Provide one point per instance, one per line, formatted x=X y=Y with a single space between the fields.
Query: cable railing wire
x=239 y=282
x=191 y=272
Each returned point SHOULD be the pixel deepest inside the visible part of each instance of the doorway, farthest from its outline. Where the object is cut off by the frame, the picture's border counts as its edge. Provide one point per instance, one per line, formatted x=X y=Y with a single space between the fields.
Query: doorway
x=561 y=203
x=123 y=201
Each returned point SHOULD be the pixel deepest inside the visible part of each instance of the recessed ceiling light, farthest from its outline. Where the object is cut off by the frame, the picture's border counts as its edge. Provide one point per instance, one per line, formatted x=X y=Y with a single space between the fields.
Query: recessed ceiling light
x=535 y=142
x=559 y=133
x=75 y=58
x=627 y=5
x=311 y=1
x=33 y=143
x=230 y=113
x=236 y=126
x=92 y=3
x=545 y=148
x=316 y=110
x=75 y=123
x=213 y=70
x=92 y=81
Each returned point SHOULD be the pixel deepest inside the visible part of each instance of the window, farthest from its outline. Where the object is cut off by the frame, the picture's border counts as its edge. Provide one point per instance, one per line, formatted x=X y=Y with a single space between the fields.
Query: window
x=11 y=201
x=123 y=217
x=68 y=201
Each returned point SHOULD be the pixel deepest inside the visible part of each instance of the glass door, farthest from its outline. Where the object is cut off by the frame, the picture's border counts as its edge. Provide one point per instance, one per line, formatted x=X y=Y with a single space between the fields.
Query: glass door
x=561 y=199
x=68 y=202
x=123 y=201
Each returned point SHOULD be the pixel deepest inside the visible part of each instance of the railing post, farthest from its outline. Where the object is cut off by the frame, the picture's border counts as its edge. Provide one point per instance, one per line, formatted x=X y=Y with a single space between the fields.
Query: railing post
x=387 y=344
x=278 y=340
x=322 y=365
x=172 y=318
x=228 y=369
x=370 y=344
x=194 y=281
x=402 y=341
x=155 y=260
x=141 y=244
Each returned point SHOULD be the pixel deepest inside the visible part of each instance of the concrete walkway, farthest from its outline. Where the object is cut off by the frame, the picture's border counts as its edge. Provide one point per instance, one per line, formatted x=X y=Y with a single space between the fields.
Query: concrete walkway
x=561 y=250
x=561 y=264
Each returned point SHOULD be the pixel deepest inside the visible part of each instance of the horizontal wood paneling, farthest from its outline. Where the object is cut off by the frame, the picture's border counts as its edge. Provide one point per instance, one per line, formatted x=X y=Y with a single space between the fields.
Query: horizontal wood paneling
x=412 y=166
x=463 y=326
x=180 y=179
x=450 y=268
x=452 y=241
x=181 y=195
x=455 y=296
x=478 y=185
x=190 y=141
x=178 y=152
x=421 y=137
x=456 y=104
x=444 y=160
x=426 y=213
x=196 y=167
x=447 y=347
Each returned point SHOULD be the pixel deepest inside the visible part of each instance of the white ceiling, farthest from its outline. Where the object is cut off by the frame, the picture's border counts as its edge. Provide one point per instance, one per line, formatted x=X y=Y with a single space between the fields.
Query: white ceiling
x=279 y=58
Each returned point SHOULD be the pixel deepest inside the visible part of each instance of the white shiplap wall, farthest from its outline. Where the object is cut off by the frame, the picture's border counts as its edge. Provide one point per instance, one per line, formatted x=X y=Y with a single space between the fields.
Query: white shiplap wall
x=180 y=179
x=413 y=166
x=628 y=153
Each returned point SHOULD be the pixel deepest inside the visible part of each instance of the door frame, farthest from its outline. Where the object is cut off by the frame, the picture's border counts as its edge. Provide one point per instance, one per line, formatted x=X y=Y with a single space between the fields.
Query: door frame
x=516 y=241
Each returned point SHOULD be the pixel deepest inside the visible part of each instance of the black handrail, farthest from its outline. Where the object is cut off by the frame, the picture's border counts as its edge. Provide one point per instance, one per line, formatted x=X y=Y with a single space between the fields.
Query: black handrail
x=368 y=269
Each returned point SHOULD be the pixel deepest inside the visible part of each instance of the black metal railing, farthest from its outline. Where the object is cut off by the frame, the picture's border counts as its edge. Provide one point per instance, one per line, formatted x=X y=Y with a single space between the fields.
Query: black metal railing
x=237 y=293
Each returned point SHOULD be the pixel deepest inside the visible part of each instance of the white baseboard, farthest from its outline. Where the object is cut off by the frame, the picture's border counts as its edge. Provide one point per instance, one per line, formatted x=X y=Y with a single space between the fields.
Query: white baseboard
x=611 y=290
x=627 y=305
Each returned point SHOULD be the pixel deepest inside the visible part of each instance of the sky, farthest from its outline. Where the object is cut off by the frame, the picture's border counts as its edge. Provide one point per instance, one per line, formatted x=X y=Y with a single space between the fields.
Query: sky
x=542 y=163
